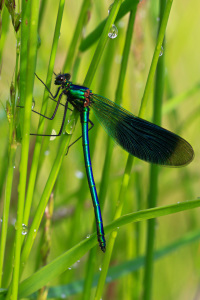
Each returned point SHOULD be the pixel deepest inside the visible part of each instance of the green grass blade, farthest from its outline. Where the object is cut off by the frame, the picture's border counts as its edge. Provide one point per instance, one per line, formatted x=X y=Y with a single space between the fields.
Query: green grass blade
x=154 y=62
x=154 y=171
x=125 y=268
x=36 y=155
x=32 y=47
x=9 y=181
x=79 y=27
x=4 y=30
x=66 y=260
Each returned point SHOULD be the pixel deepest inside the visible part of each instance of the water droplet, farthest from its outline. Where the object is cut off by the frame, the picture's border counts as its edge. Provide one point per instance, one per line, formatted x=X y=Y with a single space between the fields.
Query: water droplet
x=69 y=268
x=13 y=167
x=88 y=236
x=110 y=7
x=113 y=32
x=70 y=126
x=24 y=229
x=75 y=265
x=18 y=44
x=79 y=174
x=100 y=269
x=46 y=152
x=52 y=138
x=161 y=51
x=33 y=104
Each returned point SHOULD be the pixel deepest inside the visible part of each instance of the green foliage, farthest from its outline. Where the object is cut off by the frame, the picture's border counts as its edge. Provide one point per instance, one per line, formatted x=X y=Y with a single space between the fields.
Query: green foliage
x=46 y=246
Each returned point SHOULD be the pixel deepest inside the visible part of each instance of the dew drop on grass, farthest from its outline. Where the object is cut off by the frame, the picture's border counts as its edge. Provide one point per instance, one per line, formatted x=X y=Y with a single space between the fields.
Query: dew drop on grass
x=113 y=33
x=46 y=152
x=70 y=126
x=79 y=174
x=110 y=7
x=24 y=229
x=161 y=51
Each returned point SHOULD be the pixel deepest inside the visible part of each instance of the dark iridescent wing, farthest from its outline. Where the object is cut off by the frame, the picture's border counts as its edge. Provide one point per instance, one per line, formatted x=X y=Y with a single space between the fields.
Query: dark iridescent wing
x=139 y=137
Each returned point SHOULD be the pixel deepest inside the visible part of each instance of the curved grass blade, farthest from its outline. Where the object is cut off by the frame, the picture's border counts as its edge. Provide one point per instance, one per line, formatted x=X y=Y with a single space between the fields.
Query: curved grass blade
x=139 y=137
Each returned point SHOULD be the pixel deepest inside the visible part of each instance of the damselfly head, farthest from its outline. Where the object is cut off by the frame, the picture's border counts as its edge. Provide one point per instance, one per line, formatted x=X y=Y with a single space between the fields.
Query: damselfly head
x=62 y=78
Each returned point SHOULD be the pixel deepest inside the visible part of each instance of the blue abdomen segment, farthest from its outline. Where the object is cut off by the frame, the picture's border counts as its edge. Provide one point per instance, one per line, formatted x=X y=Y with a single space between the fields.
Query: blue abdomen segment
x=88 y=166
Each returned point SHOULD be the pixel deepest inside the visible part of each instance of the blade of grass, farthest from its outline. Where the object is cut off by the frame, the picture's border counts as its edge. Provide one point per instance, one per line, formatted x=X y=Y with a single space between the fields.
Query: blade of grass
x=4 y=29
x=43 y=5
x=67 y=259
x=77 y=33
x=8 y=188
x=125 y=268
x=32 y=47
x=23 y=32
x=155 y=58
x=36 y=155
x=154 y=169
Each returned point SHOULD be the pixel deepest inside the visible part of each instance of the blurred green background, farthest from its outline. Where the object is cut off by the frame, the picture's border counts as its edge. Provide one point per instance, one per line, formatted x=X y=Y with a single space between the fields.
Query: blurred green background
x=176 y=275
